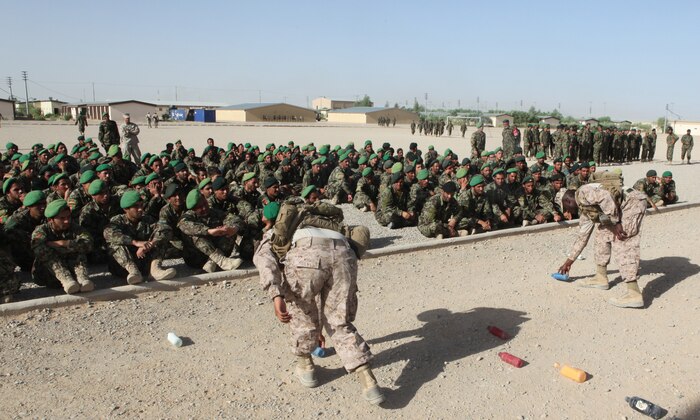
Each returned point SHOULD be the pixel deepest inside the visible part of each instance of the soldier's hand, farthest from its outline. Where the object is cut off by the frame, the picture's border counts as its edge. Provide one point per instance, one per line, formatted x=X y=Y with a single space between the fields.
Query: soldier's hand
x=281 y=310
x=620 y=234
x=557 y=217
x=141 y=253
x=564 y=269
x=504 y=218
x=406 y=215
x=372 y=207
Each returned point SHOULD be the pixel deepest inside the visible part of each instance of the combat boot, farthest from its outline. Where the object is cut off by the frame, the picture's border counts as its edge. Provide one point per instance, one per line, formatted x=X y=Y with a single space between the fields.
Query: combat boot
x=159 y=273
x=599 y=281
x=225 y=263
x=370 y=390
x=210 y=266
x=134 y=275
x=305 y=371
x=631 y=299
x=81 y=274
x=69 y=284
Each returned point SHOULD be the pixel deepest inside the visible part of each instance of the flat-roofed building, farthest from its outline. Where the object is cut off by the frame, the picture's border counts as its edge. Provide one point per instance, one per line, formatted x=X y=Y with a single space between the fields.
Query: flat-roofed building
x=7 y=109
x=265 y=112
x=371 y=115
x=116 y=109
x=325 y=104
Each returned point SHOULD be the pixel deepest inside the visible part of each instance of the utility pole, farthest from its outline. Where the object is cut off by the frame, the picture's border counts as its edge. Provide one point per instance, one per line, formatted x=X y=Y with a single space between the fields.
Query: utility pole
x=666 y=120
x=9 y=84
x=93 y=91
x=259 y=96
x=477 y=103
x=26 y=92
x=175 y=93
x=426 y=101
x=590 y=108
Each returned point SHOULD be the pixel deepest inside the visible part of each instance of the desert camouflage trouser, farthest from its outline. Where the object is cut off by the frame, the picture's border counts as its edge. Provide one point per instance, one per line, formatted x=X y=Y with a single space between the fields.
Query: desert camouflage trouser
x=322 y=278
x=626 y=253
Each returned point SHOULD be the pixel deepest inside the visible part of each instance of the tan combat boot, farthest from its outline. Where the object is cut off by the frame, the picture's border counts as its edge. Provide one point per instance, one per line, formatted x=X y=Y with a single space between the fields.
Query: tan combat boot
x=69 y=284
x=370 y=390
x=81 y=273
x=134 y=275
x=210 y=266
x=305 y=371
x=631 y=299
x=599 y=281
x=159 y=273
x=225 y=263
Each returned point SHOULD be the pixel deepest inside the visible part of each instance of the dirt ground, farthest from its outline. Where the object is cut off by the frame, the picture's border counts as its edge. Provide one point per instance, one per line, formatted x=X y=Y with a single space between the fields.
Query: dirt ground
x=425 y=316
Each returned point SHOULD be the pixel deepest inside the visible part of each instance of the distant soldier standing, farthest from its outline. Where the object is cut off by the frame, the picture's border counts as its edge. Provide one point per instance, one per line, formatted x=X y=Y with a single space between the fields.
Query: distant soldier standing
x=687 y=146
x=413 y=127
x=463 y=128
x=508 y=140
x=81 y=122
x=148 y=119
x=130 y=134
x=108 y=133
x=671 y=140
x=478 y=141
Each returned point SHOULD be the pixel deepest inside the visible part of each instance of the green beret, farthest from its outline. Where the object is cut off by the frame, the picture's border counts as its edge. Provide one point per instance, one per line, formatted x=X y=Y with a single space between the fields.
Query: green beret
x=261 y=157
x=59 y=157
x=447 y=152
x=103 y=167
x=528 y=179
x=172 y=189
x=15 y=156
x=311 y=148
x=520 y=159
x=396 y=168
x=33 y=197
x=461 y=173
x=366 y=171
x=130 y=198
x=193 y=198
x=336 y=148
x=362 y=160
x=203 y=183
x=308 y=190
x=139 y=180
x=285 y=162
x=667 y=173
x=372 y=156
x=57 y=177
x=431 y=147
x=113 y=150
x=248 y=176
x=304 y=148
x=270 y=181
x=408 y=168
x=651 y=172
x=479 y=124
x=50 y=146
x=316 y=161
x=25 y=158
x=174 y=163
x=152 y=159
x=219 y=183
x=55 y=208
x=591 y=163
x=396 y=177
x=180 y=167
x=323 y=160
x=145 y=157
x=535 y=169
x=94 y=156
x=343 y=157
x=368 y=142
x=422 y=174
x=6 y=185
x=386 y=157
x=11 y=145
x=512 y=171
x=269 y=145
x=151 y=177
x=323 y=150
x=96 y=187
x=498 y=149
x=25 y=165
x=87 y=176
x=485 y=153
x=540 y=155
x=271 y=210
x=476 y=180
x=498 y=171
x=82 y=148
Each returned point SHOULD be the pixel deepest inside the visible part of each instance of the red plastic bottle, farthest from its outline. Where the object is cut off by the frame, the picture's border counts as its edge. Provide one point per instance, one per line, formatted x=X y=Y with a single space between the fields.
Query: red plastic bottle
x=498 y=332
x=512 y=360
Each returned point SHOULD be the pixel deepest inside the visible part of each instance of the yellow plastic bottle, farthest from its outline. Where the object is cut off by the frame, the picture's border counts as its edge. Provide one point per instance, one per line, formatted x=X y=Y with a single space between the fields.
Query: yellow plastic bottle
x=572 y=373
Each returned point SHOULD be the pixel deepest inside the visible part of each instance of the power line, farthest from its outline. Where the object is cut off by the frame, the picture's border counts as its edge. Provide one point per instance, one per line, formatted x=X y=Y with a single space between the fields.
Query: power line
x=54 y=91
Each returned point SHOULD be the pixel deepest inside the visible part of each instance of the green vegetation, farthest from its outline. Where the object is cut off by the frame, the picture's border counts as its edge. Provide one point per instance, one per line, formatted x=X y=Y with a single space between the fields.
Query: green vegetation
x=366 y=101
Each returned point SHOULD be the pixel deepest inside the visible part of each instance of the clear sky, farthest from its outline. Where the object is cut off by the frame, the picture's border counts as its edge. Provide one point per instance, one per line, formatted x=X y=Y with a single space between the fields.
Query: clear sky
x=623 y=59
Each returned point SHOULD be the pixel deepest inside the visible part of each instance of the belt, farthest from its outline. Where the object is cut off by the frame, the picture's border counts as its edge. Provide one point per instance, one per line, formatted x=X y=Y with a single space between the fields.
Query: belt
x=314 y=240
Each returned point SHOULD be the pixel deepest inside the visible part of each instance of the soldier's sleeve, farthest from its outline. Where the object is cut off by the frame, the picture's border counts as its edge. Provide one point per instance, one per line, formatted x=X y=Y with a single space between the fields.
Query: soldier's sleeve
x=115 y=235
x=594 y=195
x=585 y=229
x=428 y=214
x=633 y=212
x=387 y=203
x=101 y=133
x=191 y=227
x=41 y=250
x=82 y=243
x=269 y=270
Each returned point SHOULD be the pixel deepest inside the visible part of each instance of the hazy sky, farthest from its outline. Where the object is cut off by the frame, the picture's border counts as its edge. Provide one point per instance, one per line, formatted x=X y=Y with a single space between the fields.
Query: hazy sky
x=623 y=59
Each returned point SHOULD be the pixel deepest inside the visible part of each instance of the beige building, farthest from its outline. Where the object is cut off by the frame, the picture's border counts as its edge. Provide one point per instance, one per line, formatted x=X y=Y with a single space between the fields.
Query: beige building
x=94 y=110
x=7 y=109
x=325 y=104
x=371 y=115
x=548 y=119
x=48 y=106
x=496 y=120
x=680 y=127
x=265 y=112
x=592 y=121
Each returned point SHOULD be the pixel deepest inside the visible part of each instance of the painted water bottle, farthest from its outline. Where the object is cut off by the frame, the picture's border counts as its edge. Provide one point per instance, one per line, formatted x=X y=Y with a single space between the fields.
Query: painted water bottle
x=646 y=407
x=174 y=339
x=572 y=373
x=498 y=332
x=511 y=360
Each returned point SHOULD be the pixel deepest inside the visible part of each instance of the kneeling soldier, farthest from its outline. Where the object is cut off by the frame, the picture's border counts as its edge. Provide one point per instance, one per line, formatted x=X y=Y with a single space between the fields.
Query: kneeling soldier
x=61 y=246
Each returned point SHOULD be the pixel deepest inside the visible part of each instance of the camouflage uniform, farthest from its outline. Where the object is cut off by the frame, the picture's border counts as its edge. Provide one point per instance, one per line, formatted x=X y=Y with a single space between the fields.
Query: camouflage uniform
x=547 y=203
x=317 y=271
x=167 y=234
x=198 y=244
x=501 y=199
x=650 y=190
x=598 y=146
x=77 y=199
x=686 y=146
x=119 y=234
x=391 y=204
x=94 y=219
x=474 y=208
x=417 y=197
x=108 y=134
x=667 y=191
x=9 y=283
x=436 y=214
x=527 y=207
x=53 y=263
x=671 y=140
x=366 y=192
x=8 y=208
x=478 y=142
x=338 y=185
x=18 y=231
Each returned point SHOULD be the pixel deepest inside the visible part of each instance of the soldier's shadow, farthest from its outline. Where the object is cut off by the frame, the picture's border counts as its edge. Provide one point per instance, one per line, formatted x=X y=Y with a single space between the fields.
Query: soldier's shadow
x=674 y=270
x=375 y=243
x=445 y=337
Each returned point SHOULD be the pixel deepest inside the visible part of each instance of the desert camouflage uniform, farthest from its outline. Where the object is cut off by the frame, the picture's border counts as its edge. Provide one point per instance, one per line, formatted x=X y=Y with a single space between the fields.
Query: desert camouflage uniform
x=323 y=271
x=53 y=263
x=119 y=234
x=436 y=214
x=198 y=244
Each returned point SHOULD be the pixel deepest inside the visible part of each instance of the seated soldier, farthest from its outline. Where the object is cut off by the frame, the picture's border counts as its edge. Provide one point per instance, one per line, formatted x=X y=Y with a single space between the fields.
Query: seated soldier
x=527 y=210
x=95 y=216
x=133 y=252
x=650 y=187
x=441 y=214
x=19 y=228
x=61 y=246
x=9 y=282
x=79 y=197
x=167 y=233
x=367 y=191
x=392 y=210
x=209 y=235
x=477 y=212
x=667 y=190
x=12 y=198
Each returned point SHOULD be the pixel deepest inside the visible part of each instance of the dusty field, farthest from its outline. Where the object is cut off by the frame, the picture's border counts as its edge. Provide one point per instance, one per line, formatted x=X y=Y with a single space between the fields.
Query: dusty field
x=425 y=315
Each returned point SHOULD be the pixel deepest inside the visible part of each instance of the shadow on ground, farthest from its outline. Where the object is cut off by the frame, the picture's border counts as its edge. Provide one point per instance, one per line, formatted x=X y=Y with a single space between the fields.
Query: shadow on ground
x=375 y=243
x=673 y=269
x=444 y=337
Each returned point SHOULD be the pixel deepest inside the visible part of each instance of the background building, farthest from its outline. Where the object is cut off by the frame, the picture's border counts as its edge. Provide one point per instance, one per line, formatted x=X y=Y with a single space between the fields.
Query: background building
x=325 y=104
x=265 y=112
x=7 y=109
x=592 y=121
x=496 y=120
x=679 y=128
x=548 y=119
x=371 y=115
x=94 y=110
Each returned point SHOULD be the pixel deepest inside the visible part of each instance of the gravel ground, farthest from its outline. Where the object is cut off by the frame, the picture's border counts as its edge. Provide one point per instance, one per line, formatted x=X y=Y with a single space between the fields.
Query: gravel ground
x=425 y=316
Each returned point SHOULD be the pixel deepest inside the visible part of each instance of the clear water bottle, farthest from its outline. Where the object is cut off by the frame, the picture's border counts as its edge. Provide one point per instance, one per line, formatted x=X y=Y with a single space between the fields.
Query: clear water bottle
x=174 y=339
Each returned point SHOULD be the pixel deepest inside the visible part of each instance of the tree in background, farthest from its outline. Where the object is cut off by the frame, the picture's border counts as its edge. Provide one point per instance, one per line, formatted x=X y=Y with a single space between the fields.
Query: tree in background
x=366 y=101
